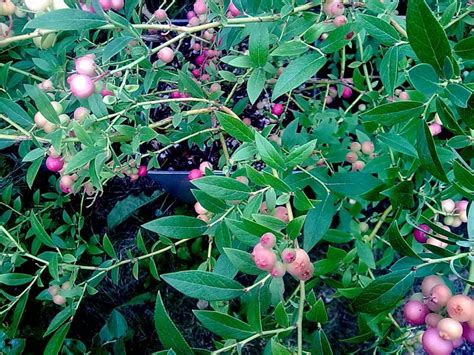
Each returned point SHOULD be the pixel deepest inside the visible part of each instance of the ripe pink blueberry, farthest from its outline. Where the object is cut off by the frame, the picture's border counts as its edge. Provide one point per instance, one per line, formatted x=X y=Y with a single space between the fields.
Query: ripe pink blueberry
x=355 y=147
x=468 y=333
x=142 y=170
x=346 y=92
x=199 y=209
x=432 y=320
x=117 y=5
x=288 y=255
x=200 y=59
x=59 y=300
x=420 y=235
x=328 y=100
x=160 y=15
x=205 y=165
x=81 y=86
x=435 y=129
x=190 y=15
x=358 y=165
x=433 y=344
x=415 y=312
x=277 y=109
x=194 y=21
x=203 y=217
x=368 y=147
x=351 y=157
x=450 y=329
x=53 y=290
x=301 y=268
x=166 y=55
x=81 y=113
x=281 y=213
x=200 y=7
x=54 y=164
x=439 y=297
x=339 y=20
x=234 y=11
x=428 y=283
x=278 y=270
x=268 y=240
x=106 y=4
x=215 y=87
x=195 y=174
x=461 y=205
x=264 y=258
x=333 y=8
x=404 y=96
x=40 y=120
x=460 y=308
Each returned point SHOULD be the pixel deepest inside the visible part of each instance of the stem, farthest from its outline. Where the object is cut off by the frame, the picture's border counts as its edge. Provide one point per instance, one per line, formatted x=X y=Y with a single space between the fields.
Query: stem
x=261 y=282
x=25 y=73
x=380 y=222
x=299 y=322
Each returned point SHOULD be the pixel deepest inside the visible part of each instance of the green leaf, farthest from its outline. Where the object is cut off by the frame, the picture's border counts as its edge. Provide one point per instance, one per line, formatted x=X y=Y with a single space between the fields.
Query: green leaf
x=170 y=336
x=67 y=19
x=33 y=155
x=425 y=79
x=300 y=154
x=190 y=85
x=389 y=70
x=320 y=344
x=58 y=320
x=43 y=103
x=256 y=84
x=259 y=43
x=210 y=203
x=465 y=48
x=14 y=112
x=352 y=183
x=394 y=112
x=242 y=261
x=470 y=222
x=298 y=72
x=336 y=40
x=128 y=206
x=426 y=36
x=463 y=176
x=318 y=221
x=270 y=155
x=17 y=314
x=290 y=49
x=294 y=227
x=15 y=279
x=447 y=117
x=39 y=231
x=384 y=292
x=204 y=285
x=108 y=247
x=177 y=227
x=398 y=143
x=458 y=94
x=82 y=158
x=235 y=127
x=380 y=29
x=224 y=325
x=56 y=342
x=223 y=188
x=398 y=242
x=114 y=47
x=401 y=195
x=32 y=172
x=365 y=253
x=427 y=152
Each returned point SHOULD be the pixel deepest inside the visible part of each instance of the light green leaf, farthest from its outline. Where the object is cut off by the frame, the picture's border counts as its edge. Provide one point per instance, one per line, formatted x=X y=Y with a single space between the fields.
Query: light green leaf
x=67 y=19
x=222 y=324
x=177 y=227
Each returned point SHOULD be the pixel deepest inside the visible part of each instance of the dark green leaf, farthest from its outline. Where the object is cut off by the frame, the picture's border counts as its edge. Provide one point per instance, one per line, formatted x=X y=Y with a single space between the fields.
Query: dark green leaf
x=389 y=70
x=398 y=242
x=259 y=43
x=380 y=29
x=270 y=155
x=224 y=325
x=394 y=112
x=242 y=261
x=15 y=279
x=67 y=19
x=398 y=143
x=114 y=47
x=223 y=188
x=425 y=79
x=235 y=127
x=318 y=221
x=465 y=48
x=401 y=195
x=14 y=112
x=255 y=84
x=56 y=342
x=178 y=227
x=427 y=152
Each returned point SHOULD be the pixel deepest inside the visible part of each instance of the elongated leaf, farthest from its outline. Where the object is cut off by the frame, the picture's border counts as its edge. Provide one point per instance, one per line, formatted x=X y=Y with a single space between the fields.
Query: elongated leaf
x=447 y=116
x=114 y=47
x=43 y=103
x=270 y=155
x=82 y=158
x=318 y=221
x=255 y=84
x=398 y=143
x=352 y=183
x=288 y=49
x=58 y=320
x=380 y=29
x=398 y=242
x=235 y=127
x=258 y=44
x=389 y=69
x=178 y=227
x=170 y=336
x=194 y=89
x=300 y=154
x=67 y=19
x=297 y=72
x=394 y=112
x=14 y=112
x=384 y=292
x=223 y=188
x=56 y=342
x=204 y=285
x=427 y=152
x=224 y=325
x=424 y=79
x=426 y=36
x=465 y=48
x=39 y=231
x=242 y=261
x=16 y=279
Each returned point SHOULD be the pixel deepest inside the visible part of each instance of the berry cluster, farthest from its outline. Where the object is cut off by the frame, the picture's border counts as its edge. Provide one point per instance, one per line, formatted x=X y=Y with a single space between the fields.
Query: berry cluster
x=56 y=292
x=449 y=318
x=357 y=153
x=198 y=173
x=294 y=261
x=106 y=5
x=82 y=83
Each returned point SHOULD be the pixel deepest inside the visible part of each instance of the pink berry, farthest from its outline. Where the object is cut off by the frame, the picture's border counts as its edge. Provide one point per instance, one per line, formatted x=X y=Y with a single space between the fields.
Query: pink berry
x=200 y=7
x=351 y=157
x=278 y=270
x=355 y=146
x=339 y=20
x=404 y=96
x=450 y=329
x=368 y=147
x=301 y=267
x=420 y=235
x=460 y=308
x=196 y=73
x=461 y=205
x=358 y=165
x=142 y=170
x=196 y=47
x=215 y=87
x=277 y=109
x=166 y=55
x=106 y=4
x=190 y=15
x=234 y=11
x=448 y=205
x=435 y=129
x=433 y=344
x=81 y=86
x=468 y=333
x=288 y=255
x=160 y=15
x=81 y=113
x=175 y=95
x=117 y=5
x=346 y=92
x=54 y=164
x=194 y=21
x=428 y=283
x=195 y=174
x=268 y=240
x=415 y=312
x=328 y=100
x=205 y=165
x=243 y=179
x=281 y=213
x=53 y=290
x=199 y=209
x=200 y=59
x=59 y=300
x=106 y=92
x=432 y=320
x=439 y=297
x=264 y=258
x=203 y=217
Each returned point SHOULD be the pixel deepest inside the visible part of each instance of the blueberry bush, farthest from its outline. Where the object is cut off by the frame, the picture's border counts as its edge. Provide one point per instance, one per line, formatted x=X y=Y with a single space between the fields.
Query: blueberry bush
x=329 y=147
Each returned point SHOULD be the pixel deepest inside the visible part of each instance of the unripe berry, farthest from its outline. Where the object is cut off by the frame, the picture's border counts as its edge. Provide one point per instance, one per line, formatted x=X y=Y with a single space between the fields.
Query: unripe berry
x=363 y=227
x=448 y=205
x=429 y=282
x=328 y=100
x=85 y=65
x=281 y=213
x=404 y=96
x=435 y=129
x=433 y=344
x=200 y=7
x=81 y=86
x=58 y=108
x=166 y=55
x=247 y=121
x=195 y=174
x=432 y=320
x=415 y=312
x=49 y=127
x=358 y=165
x=436 y=242
x=264 y=258
x=460 y=308
x=420 y=235
x=205 y=165
x=439 y=297
x=117 y=5
x=7 y=8
x=53 y=290
x=46 y=85
x=288 y=255
x=59 y=300
x=66 y=285
x=54 y=164
x=457 y=221
x=40 y=120
x=199 y=209
x=333 y=8
x=268 y=240
x=278 y=270
x=355 y=147
x=351 y=157
x=339 y=20
x=81 y=113
x=160 y=15
x=463 y=216
x=368 y=147
x=142 y=170
x=37 y=5
x=277 y=109
x=450 y=329
x=215 y=87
